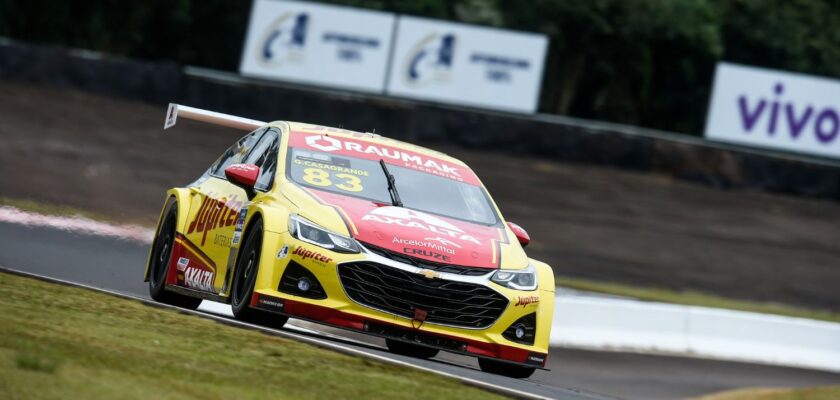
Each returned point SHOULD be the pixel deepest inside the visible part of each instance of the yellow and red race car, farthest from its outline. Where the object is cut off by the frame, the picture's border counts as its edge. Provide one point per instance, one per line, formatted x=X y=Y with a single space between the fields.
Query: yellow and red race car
x=356 y=231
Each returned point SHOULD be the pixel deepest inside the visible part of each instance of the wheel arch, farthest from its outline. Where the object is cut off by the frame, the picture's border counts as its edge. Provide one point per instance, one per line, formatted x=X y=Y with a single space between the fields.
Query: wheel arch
x=545 y=275
x=545 y=311
x=181 y=197
x=275 y=221
x=251 y=219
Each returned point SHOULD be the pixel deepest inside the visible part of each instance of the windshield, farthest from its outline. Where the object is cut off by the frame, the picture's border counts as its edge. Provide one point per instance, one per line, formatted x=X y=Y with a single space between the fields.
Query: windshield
x=365 y=179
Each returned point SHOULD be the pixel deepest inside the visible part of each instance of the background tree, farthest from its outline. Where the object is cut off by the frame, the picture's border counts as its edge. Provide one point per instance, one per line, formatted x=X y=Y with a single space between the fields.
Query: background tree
x=640 y=62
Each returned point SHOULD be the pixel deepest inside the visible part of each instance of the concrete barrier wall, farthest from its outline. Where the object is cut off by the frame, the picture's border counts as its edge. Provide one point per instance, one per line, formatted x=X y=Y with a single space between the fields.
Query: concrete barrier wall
x=630 y=325
x=546 y=136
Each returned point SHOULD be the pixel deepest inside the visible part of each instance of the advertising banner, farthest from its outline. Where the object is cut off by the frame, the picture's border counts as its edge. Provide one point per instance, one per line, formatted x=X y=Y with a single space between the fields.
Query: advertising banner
x=775 y=109
x=318 y=44
x=467 y=65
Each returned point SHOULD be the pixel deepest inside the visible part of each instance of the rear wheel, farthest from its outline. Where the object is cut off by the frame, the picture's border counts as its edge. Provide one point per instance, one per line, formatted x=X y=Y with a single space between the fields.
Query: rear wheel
x=245 y=276
x=161 y=259
x=505 y=369
x=411 y=350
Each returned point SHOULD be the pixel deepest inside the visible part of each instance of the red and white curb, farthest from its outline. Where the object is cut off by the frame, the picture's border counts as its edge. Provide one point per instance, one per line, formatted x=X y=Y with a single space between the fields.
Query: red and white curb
x=76 y=224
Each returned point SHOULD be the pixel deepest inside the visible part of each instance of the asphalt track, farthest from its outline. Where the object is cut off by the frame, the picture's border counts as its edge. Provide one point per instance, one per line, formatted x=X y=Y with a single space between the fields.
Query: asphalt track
x=118 y=265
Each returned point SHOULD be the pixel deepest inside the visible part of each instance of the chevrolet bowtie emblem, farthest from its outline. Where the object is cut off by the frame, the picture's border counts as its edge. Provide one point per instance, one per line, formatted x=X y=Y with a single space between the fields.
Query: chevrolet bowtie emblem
x=429 y=274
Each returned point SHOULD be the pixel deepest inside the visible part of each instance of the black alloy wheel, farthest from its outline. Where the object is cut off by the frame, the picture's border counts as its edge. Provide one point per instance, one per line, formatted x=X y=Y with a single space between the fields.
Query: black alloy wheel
x=161 y=260
x=245 y=276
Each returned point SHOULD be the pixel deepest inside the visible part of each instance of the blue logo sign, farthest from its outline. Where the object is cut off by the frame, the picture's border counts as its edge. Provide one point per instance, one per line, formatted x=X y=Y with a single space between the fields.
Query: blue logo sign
x=285 y=39
x=431 y=60
x=499 y=69
x=350 y=47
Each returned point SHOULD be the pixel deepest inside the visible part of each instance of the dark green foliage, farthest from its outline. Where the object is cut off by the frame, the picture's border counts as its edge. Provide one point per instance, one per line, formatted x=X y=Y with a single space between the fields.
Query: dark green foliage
x=641 y=62
x=200 y=32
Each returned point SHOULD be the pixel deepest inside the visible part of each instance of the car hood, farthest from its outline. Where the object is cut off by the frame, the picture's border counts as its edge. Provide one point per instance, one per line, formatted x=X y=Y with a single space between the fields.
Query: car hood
x=418 y=234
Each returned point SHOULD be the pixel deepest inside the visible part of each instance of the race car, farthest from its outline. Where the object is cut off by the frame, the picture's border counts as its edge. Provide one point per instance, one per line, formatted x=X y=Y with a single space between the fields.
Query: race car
x=356 y=231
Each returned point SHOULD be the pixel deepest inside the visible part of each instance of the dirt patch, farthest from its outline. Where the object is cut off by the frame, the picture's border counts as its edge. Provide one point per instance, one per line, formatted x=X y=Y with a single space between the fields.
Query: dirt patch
x=112 y=157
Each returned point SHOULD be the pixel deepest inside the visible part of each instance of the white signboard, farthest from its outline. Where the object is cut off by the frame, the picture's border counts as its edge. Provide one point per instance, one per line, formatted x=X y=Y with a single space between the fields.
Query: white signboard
x=467 y=65
x=775 y=109
x=318 y=44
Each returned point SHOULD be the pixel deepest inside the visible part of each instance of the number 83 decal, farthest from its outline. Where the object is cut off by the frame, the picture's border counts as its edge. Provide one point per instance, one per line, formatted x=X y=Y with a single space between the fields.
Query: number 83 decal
x=320 y=177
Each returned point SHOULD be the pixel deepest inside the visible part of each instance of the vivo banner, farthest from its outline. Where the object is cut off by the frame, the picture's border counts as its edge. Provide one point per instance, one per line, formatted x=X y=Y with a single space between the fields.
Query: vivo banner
x=318 y=44
x=775 y=109
x=467 y=65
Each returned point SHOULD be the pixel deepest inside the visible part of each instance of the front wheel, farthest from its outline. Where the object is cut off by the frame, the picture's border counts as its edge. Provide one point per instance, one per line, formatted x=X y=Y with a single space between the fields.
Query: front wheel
x=411 y=350
x=505 y=369
x=244 y=278
x=160 y=261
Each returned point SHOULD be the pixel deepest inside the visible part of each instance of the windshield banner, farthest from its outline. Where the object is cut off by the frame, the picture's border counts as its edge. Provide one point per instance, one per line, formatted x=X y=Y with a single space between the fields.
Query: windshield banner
x=377 y=151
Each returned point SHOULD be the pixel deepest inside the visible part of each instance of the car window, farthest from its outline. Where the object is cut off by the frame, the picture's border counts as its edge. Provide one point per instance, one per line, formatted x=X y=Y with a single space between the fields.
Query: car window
x=237 y=153
x=356 y=177
x=264 y=155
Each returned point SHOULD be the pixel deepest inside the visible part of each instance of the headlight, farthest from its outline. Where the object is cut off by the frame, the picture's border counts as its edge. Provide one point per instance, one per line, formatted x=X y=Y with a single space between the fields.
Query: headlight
x=307 y=231
x=523 y=279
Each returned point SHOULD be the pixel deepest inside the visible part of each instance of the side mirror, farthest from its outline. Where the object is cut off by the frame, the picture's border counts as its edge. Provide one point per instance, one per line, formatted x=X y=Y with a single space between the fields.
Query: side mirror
x=521 y=235
x=244 y=176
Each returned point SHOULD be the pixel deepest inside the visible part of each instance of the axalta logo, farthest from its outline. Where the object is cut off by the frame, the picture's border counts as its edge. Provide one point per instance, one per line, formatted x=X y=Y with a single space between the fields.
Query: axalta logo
x=195 y=278
x=431 y=60
x=526 y=300
x=214 y=213
x=284 y=39
x=330 y=144
x=416 y=219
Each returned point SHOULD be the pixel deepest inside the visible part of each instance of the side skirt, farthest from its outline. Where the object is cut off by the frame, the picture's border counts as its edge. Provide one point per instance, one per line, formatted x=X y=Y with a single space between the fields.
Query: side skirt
x=197 y=293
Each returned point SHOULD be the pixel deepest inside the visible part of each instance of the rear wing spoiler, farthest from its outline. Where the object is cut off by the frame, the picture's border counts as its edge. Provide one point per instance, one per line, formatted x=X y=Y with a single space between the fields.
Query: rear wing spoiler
x=211 y=117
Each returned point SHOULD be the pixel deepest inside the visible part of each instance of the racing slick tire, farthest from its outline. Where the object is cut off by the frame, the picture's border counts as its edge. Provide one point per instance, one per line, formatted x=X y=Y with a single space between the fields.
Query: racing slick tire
x=504 y=369
x=245 y=275
x=161 y=260
x=411 y=350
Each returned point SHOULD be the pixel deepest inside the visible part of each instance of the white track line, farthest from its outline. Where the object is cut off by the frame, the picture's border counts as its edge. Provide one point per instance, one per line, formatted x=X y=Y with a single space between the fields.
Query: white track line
x=300 y=337
x=224 y=310
x=76 y=224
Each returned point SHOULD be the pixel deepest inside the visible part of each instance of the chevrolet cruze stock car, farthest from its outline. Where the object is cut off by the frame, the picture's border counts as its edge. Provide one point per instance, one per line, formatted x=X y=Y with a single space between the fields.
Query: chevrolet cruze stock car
x=355 y=231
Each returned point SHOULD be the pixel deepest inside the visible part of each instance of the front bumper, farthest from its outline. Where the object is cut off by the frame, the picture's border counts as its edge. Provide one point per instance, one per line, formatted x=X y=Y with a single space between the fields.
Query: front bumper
x=341 y=310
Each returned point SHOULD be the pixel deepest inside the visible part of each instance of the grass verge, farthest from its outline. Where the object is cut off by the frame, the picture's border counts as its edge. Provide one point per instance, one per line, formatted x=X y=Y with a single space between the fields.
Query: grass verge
x=60 y=342
x=811 y=393
x=693 y=299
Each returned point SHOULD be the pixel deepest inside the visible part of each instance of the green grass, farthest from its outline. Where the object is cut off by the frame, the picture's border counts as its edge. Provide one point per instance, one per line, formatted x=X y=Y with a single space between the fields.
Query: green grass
x=811 y=393
x=60 y=342
x=692 y=298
